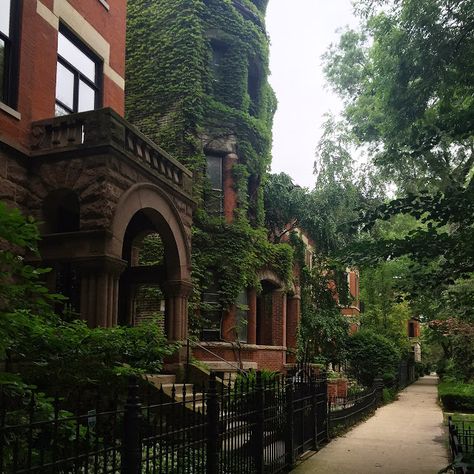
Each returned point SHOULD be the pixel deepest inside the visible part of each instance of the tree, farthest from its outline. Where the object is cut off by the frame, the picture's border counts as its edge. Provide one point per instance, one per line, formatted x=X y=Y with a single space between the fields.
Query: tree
x=407 y=80
x=371 y=355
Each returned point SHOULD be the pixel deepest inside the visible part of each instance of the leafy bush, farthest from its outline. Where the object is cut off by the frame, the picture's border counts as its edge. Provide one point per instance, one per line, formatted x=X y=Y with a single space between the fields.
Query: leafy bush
x=389 y=379
x=371 y=355
x=49 y=352
x=250 y=377
x=68 y=355
x=457 y=396
x=389 y=395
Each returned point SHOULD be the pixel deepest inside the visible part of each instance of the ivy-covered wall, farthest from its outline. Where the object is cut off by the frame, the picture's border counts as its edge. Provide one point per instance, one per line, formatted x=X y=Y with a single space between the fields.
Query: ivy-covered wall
x=197 y=72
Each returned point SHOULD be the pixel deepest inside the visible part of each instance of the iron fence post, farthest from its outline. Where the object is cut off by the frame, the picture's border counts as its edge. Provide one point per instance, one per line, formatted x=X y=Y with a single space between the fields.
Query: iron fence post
x=325 y=410
x=212 y=458
x=131 y=447
x=290 y=426
x=314 y=411
x=259 y=424
x=186 y=369
x=378 y=385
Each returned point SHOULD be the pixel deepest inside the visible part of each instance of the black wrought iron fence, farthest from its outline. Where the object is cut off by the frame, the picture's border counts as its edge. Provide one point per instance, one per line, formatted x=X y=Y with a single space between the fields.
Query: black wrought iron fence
x=353 y=409
x=256 y=426
x=461 y=444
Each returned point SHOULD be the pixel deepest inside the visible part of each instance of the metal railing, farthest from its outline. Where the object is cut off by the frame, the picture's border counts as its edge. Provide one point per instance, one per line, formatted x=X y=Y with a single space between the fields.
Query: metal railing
x=190 y=342
x=461 y=444
x=353 y=409
x=254 y=427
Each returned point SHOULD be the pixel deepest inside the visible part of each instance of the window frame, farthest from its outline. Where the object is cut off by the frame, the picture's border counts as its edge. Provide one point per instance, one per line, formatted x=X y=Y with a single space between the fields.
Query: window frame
x=78 y=76
x=216 y=194
x=9 y=95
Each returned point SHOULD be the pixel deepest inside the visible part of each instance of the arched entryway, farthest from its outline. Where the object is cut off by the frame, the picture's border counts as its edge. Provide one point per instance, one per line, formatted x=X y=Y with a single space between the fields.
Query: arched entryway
x=155 y=251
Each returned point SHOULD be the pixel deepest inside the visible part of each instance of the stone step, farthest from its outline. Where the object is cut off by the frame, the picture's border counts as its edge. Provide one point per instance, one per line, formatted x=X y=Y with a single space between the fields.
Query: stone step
x=160 y=379
x=167 y=382
x=179 y=388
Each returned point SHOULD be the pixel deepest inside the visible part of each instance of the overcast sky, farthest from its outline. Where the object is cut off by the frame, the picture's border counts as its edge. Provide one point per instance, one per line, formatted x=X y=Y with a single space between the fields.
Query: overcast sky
x=300 y=32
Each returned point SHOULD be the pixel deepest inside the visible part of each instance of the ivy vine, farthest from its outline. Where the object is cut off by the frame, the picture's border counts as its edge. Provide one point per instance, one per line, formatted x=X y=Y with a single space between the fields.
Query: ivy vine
x=176 y=95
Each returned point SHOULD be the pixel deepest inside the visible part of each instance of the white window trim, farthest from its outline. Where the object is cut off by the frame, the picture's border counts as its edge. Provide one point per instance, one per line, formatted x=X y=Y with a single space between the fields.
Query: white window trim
x=6 y=108
x=62 y=10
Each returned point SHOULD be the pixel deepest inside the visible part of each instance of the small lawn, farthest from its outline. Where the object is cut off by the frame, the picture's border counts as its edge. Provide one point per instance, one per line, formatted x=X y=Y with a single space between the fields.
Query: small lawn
x=466 y=418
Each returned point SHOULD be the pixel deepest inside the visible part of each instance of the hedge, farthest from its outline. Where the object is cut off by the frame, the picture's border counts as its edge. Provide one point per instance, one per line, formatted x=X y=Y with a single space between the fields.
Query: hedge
x=457 y=396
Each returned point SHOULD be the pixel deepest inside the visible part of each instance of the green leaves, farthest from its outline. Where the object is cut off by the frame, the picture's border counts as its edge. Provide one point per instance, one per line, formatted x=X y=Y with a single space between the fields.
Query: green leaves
x=371 y=355
x=17 y=230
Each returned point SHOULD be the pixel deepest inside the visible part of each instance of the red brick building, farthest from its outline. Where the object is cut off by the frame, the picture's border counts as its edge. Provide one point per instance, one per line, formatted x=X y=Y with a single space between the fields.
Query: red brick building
x=96 y=185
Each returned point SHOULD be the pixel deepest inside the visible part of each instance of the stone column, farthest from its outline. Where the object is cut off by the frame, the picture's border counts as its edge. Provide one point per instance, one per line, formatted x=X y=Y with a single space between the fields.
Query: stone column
x=292 y=323
x=176 y=314
x=99 y=290
x=228 y=324
x=252 y=317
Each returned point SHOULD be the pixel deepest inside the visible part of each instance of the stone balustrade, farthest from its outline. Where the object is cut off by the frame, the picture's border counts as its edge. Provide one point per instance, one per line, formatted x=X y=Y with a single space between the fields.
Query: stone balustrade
x=98 y=128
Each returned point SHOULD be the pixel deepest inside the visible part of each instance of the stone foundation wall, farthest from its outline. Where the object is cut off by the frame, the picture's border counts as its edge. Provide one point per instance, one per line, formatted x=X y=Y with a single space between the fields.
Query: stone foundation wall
x=265 y=357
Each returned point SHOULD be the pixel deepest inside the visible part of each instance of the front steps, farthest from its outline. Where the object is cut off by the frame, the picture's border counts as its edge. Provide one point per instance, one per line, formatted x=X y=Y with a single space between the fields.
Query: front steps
x=179 y=392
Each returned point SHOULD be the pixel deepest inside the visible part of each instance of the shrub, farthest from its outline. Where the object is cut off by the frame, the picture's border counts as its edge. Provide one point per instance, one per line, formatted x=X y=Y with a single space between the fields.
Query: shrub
x=44 y=349
x=389 y=395
x=69 y=355
x=456 y=396
x=371 y=355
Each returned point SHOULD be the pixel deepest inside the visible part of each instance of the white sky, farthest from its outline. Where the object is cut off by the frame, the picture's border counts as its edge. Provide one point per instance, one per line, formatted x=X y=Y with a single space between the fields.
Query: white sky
x=300 y=32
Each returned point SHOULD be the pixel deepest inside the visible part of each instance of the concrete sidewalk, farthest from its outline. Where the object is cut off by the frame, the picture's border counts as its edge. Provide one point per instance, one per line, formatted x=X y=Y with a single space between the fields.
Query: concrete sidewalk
x=406 y=436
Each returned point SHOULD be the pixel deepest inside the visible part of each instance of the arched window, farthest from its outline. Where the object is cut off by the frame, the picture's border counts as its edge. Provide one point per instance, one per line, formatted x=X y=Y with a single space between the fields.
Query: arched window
x=61 y=210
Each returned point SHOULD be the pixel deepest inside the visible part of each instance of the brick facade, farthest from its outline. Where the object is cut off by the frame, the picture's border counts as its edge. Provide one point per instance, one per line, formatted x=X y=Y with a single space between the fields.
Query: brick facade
x=100 y=29
x=94 y=182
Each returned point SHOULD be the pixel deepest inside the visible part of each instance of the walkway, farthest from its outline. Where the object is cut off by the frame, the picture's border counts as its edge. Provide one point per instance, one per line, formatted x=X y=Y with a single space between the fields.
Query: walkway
x=406 y=436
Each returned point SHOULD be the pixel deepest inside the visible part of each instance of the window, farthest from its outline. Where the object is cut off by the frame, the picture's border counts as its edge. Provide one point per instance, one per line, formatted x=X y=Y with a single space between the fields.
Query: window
x=218 y=51
x=78 y=76
x=9 y=51
x=61 y=210
x=254 y=83
x=215 y=198
x=241 y=316
x=211 y=314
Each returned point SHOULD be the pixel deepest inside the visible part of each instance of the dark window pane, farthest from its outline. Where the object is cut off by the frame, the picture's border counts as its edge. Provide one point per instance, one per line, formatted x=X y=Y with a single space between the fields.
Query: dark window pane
x=65 y=86
x=86 y=97
x=2 y=69
x=5 y=16
x=214 y=171
x=76 y=57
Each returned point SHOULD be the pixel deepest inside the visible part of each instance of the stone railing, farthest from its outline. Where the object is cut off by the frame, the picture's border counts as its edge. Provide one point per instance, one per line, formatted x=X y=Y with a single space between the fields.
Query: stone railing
x=104 y=127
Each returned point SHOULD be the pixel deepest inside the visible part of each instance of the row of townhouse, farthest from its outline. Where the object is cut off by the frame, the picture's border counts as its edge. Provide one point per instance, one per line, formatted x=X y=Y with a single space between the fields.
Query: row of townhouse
x=193 y=80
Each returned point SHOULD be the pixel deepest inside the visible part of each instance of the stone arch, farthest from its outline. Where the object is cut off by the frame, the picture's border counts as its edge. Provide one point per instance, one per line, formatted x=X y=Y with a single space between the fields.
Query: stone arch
x=270 y=309
x=144 y=208
x=160 y=210
x=271 y=277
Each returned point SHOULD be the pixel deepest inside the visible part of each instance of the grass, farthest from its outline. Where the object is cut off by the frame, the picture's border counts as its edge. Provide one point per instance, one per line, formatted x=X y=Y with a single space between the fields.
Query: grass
x=467 y=418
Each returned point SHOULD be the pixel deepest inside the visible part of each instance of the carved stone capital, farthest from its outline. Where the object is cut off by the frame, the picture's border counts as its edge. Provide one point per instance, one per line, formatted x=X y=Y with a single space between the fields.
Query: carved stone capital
x=181 y=288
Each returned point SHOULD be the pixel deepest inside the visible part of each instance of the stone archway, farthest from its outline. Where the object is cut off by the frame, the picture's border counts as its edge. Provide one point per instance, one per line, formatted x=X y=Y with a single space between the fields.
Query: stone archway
x=144 y=208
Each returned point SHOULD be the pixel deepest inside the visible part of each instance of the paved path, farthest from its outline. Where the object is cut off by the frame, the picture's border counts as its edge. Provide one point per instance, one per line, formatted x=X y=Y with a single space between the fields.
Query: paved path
x=406 y=436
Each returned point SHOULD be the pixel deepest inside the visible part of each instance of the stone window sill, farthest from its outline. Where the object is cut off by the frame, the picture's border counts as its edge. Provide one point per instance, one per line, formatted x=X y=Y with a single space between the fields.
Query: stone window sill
x=10 y=111
x=104 y=4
